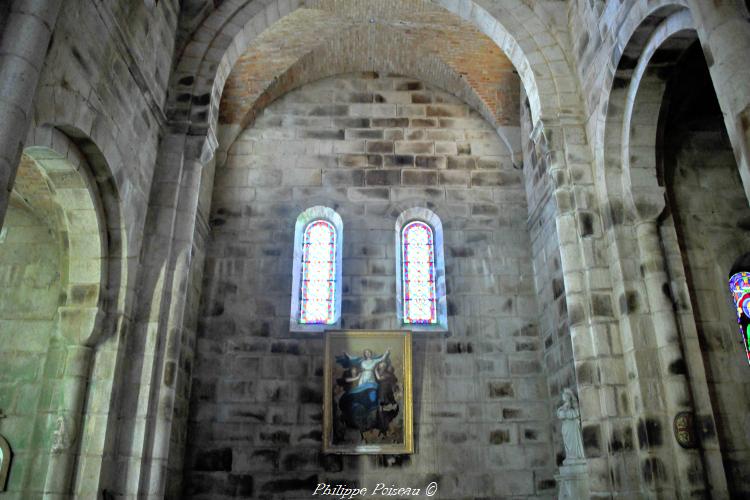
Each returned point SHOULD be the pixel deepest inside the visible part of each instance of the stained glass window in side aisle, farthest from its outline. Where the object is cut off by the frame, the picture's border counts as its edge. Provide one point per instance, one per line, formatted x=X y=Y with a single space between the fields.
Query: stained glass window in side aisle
x=318 y=274
x=418 y=273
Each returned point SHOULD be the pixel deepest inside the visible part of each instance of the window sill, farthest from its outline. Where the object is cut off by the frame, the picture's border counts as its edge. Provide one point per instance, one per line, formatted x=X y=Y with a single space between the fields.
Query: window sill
x=427 y=331
x=299 y=329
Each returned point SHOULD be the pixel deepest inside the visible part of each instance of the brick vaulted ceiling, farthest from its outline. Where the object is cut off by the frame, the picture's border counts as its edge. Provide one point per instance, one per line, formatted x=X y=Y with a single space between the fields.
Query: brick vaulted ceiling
x=413 y=38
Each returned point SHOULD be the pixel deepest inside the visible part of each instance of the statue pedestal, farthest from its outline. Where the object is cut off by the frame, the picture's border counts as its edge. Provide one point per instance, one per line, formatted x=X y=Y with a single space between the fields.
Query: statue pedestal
x=573 y=481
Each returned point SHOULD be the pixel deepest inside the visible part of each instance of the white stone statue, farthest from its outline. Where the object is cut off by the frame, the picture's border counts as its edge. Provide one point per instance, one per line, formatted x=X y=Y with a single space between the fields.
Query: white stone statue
x=570 y=419
x=60 y=438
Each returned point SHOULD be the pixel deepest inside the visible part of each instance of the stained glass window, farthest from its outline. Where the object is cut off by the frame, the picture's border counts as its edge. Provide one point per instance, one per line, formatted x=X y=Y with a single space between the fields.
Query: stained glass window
x=318 y=287
x=739 y=285
x=418 y=273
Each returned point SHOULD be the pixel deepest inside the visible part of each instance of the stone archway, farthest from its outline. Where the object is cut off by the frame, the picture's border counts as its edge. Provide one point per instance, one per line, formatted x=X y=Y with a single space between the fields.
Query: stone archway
x=330 y=46
x=54 y=224
x=703 y=233
x=201 y=73
x=635 y=201
x=81 y=163
x=197 y=87
x=650 y=277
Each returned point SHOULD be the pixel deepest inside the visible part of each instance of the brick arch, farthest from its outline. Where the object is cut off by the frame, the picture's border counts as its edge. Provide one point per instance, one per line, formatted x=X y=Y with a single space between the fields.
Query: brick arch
x=359 y=49
x=513 y=26
x=208 y=58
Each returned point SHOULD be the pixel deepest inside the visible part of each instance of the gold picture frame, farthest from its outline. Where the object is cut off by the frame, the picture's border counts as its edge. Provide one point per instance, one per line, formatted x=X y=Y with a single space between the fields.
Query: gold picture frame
x=367 y=404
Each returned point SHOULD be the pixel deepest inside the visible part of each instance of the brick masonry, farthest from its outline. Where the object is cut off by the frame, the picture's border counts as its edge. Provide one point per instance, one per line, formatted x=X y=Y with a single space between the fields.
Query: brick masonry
x=352 y=39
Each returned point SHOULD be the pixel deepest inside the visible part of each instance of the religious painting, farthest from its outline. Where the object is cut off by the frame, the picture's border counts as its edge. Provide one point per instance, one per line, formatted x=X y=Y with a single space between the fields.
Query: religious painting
x=367 y=406
x=5 y=457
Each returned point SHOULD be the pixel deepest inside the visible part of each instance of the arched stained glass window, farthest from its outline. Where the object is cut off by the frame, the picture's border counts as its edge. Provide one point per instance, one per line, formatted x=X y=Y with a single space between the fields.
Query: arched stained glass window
x=418 y=274
x=318 y=283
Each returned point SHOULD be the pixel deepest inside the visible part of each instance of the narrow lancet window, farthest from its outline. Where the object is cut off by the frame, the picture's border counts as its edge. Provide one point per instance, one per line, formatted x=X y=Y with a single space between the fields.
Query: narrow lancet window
x=418 y=274
x=318 y=283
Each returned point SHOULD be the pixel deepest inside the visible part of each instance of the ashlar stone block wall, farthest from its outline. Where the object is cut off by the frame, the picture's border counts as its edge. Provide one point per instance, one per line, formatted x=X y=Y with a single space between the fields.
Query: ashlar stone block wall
x=103 y=85
x=369 y=146
x=557 y=347
x=117 y=56
x=30 y=290
x=709 y=227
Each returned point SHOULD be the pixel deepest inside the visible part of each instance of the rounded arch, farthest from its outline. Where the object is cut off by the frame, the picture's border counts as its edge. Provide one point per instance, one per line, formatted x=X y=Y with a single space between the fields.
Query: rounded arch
x=76 y=132
x=68 y=128
x=93 y=236
x=381 y=51
x=517 y=39
x=79 y=222
x=304 y=219
x=54 y=183
x=628 y=166
x=203 y=69
x=633 y=114
x=430 y=218
x=633 y=35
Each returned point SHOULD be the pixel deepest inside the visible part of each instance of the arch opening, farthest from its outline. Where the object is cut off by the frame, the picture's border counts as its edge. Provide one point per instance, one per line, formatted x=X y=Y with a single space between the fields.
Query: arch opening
x=665 y=144
x=710 y=220
x=327 y=45
x=51 y=255
x=195 y=99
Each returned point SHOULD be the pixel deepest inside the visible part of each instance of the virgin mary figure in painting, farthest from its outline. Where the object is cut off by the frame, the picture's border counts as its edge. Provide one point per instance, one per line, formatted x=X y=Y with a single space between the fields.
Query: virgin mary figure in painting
x=366 y=363
x=365 y=382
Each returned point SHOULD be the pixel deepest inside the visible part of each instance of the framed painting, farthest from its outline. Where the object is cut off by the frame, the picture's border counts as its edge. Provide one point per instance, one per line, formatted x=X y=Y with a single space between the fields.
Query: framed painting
x=367 y=404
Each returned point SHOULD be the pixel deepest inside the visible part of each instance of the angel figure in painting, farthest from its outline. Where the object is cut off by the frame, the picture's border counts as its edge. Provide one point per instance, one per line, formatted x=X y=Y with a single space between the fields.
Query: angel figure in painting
x=570 y=418
x=385 y=374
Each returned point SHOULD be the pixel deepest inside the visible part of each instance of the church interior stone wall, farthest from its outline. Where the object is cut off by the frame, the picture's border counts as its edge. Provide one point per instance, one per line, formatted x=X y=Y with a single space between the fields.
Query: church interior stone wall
x=369 y=146
x=155 y=154
x=32 y=284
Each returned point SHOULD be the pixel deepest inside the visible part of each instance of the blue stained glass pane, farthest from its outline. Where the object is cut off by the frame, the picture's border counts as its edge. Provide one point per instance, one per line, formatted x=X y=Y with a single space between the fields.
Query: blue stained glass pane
x=418 y=273
x=318 y=288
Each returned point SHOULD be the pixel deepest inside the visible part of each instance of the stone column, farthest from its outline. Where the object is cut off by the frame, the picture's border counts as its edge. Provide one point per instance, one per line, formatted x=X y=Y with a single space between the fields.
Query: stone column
x=162 y=323
x=177 y=323
x=667 y=353
x=725 y=36
x=23 y=49
x=69 y=423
